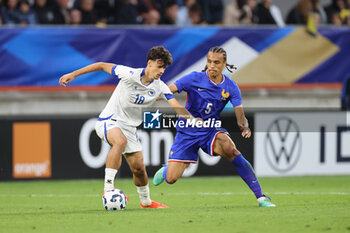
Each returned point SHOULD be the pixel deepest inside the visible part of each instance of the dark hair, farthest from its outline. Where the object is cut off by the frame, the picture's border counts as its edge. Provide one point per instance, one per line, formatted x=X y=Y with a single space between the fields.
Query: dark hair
x=159 y=52
x=241 y=3
x=217 y=49
x=20 y=2
x=195 y=8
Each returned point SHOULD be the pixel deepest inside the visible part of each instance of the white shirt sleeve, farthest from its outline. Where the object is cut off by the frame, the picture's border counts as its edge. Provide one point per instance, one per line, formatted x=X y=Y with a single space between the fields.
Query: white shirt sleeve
x=121 y=72
x=166 y=94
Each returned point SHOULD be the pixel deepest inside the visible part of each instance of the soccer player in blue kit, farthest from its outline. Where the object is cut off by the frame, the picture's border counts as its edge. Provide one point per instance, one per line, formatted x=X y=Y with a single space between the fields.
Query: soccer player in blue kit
x=207 y=94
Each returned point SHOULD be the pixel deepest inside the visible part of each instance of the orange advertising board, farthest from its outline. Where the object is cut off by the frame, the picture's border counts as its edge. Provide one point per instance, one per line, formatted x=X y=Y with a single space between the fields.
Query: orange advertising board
x=31 y=150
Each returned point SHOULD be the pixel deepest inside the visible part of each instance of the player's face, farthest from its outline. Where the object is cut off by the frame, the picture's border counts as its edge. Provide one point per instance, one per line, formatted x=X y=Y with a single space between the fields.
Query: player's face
x=156 y=68
x=215 y=63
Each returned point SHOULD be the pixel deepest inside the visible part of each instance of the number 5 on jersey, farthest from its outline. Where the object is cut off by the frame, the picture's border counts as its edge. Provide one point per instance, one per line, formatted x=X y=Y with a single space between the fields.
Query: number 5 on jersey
x=139 y=99
x=208 y=108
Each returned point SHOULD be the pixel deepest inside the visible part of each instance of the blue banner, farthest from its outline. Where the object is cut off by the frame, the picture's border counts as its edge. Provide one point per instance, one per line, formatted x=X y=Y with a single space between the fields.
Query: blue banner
x=40 y=56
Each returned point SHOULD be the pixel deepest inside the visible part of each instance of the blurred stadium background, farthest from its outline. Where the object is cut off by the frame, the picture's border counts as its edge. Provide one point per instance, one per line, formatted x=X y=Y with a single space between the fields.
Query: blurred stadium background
x=293 y=71
x=294 y=82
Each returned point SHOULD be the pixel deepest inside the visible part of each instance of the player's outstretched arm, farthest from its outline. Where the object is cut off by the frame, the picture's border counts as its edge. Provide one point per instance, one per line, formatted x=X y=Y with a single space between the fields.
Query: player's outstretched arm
x=242 y=122
x=98 y=66
x=179 y=109
x=173 y=88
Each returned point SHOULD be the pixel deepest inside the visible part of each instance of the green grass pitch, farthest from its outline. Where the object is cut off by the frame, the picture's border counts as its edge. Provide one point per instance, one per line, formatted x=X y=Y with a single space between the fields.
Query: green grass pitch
x=208 y=204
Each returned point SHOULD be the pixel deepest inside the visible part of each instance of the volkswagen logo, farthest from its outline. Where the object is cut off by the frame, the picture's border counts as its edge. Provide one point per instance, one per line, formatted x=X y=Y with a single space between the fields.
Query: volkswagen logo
x=283 y=144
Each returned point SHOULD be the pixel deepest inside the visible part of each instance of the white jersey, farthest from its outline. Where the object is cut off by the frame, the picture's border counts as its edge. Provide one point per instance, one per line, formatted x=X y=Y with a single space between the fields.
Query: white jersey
x=131 y=96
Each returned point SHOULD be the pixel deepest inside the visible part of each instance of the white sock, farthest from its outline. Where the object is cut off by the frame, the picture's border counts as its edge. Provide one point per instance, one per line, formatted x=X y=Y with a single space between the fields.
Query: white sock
x=144 y=195
x=109 y=178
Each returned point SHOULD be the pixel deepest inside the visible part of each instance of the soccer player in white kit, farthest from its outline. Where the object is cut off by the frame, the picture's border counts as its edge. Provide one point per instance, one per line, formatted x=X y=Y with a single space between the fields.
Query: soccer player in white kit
x=138 y=88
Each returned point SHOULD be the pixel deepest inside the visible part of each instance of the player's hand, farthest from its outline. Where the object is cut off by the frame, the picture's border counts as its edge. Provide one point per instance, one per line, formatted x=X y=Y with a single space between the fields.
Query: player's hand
x=65 y=79
x=246 y=132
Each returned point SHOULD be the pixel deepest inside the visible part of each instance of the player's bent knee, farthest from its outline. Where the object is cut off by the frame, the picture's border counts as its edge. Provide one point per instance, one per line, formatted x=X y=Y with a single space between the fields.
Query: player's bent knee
x=230 y=152
x=120 y=142
x=230 y=148
x=138 y=171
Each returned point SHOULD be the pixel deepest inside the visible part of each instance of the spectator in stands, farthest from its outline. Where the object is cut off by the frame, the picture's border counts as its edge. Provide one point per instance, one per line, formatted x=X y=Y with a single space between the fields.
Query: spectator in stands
x=318 y=8
x=26 y=15
x=129 y=11
x=88 y=15
x=1 y=10
x=300 y=13
x=182 y=18
x=75 y=17
x=144 y=9
x=345 y=13
x=9 y=14
x=335 y=19
x=335 y=7
x=170 y=13
x=149 y=4
x=159 y=5
x=239 y=12
x=347 y=18
x=212 y=10
x=152 y=17
x=347 y=4
x=104 y=11
x=61 y=12
x=195 y=15
x=44 y=13
x=267 y=13
x=317 y=17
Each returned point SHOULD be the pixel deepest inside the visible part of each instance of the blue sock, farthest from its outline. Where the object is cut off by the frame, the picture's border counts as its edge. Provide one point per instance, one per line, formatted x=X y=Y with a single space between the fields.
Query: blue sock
x=165 y=171
x=246 y=171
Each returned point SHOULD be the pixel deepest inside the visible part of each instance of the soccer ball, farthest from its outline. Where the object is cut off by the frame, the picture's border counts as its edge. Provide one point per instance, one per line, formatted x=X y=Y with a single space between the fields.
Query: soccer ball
x=114 y=199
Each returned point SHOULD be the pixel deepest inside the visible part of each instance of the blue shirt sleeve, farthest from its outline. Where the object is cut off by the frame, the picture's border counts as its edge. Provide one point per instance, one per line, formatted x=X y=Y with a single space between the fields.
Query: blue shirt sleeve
x=235 y=97
x=169 y=96
x=113 y=70
x=184 y=83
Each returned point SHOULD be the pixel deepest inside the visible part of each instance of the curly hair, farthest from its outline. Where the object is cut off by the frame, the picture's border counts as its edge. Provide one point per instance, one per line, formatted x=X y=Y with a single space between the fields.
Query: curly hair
x=159 y=52
x=217 y=49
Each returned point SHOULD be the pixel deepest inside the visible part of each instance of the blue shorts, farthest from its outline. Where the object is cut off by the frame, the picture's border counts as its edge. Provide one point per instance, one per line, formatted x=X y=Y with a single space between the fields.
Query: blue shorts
x=185 y=148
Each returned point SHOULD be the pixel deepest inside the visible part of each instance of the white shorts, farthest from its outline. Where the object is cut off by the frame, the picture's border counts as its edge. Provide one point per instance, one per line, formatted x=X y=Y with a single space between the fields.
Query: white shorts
x=103 y=125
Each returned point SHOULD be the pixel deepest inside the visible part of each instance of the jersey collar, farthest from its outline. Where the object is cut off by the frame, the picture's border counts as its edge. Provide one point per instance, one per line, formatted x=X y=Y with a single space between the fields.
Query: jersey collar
x=223 y=79
x=142 y=73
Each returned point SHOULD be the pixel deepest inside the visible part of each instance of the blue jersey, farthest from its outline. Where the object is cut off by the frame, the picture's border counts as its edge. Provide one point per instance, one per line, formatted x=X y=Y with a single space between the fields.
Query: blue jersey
x=205 y=98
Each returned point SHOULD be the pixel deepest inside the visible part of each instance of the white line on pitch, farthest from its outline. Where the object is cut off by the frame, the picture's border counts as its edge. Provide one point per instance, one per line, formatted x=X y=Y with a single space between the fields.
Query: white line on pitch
x=175 y=194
